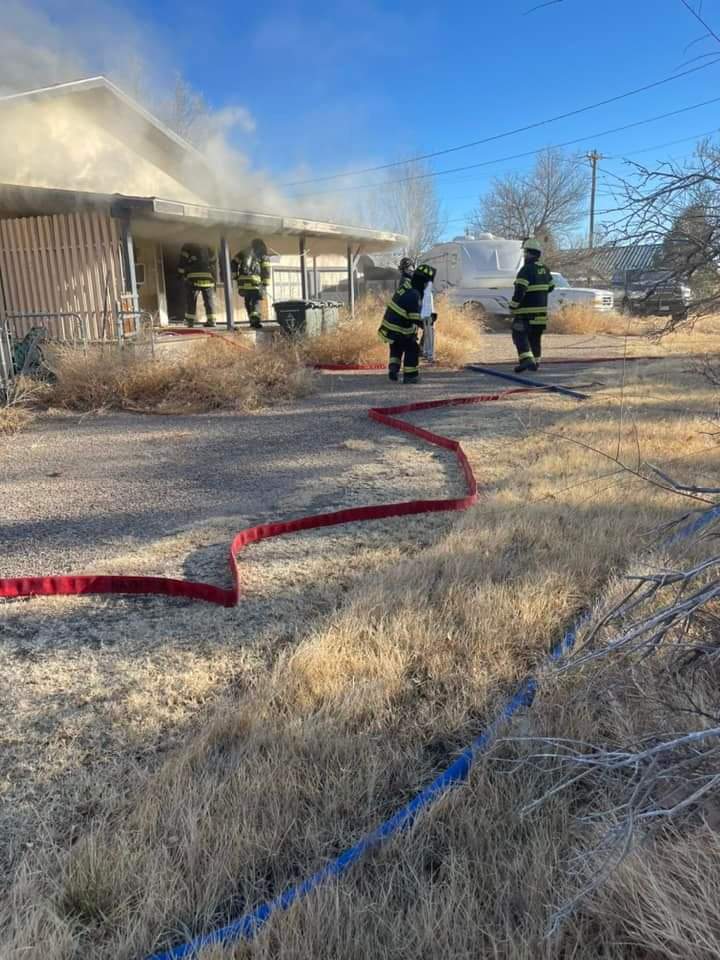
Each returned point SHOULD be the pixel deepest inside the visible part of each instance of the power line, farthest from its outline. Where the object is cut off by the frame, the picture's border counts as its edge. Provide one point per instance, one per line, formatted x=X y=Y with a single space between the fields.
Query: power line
x=668 y=143
x=697 y=16
x=516 y=156
x=509 y=133
x=604 y=194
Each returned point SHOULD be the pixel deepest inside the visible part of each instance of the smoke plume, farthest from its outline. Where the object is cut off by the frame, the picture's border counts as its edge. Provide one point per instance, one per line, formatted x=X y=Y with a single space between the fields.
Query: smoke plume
x=44 y=146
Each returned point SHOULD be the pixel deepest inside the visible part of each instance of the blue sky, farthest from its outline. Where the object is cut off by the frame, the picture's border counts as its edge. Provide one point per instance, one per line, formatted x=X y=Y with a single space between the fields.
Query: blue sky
x=354 y=84
x=365 y=82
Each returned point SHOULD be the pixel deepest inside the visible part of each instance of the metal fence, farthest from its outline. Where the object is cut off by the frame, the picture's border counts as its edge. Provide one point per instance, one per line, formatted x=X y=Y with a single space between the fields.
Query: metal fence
x=62 y=327
x=6 y=361
x=135 y=326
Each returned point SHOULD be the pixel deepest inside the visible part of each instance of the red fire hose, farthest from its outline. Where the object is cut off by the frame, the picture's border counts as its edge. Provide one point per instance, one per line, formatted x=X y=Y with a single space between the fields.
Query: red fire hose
x=73 y=584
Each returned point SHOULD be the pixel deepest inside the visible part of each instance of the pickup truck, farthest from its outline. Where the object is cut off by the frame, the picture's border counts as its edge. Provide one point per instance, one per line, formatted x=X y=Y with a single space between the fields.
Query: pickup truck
x=480 y=273
x=652 y=293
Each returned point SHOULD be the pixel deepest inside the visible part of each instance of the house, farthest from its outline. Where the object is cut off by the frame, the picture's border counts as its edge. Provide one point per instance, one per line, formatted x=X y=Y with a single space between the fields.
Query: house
x=608 y=266
x=97 y=197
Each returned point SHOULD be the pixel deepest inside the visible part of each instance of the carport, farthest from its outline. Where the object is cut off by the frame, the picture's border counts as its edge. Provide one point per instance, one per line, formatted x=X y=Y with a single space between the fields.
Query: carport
x=73 y=251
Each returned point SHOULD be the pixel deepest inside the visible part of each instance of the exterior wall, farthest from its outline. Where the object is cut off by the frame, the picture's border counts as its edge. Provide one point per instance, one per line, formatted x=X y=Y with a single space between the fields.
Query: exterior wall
x=324 y=273
x=62 y=264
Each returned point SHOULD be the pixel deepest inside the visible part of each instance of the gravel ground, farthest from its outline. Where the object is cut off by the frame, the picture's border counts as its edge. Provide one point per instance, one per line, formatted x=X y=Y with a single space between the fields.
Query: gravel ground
x=102 y=484
x=93 y=689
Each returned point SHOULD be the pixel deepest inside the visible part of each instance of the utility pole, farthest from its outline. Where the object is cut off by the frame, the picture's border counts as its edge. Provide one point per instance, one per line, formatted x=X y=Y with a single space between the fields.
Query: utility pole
x=594 y=157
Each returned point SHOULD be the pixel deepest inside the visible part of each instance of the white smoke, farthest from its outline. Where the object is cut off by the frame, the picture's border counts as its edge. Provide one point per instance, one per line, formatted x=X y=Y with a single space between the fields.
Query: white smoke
x=99 y=38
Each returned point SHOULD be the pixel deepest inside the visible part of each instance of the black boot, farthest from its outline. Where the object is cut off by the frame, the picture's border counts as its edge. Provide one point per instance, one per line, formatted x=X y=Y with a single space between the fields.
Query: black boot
x=412 y=379
x=393 y=375
x=526 y=365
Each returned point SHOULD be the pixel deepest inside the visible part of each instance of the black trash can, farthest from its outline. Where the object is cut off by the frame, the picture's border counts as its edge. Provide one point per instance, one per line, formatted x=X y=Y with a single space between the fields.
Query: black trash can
x=299 y=318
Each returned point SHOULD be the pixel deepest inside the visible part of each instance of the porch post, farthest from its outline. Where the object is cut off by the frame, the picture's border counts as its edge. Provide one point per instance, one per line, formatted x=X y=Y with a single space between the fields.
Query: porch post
x=303 y=269
x=129 y=262
x=226 y=274
x=351 y=280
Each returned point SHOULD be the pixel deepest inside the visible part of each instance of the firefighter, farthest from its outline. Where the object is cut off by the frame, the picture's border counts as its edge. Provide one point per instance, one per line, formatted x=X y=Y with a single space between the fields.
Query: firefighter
x=399 y=326
x=197 y=268
x=528 y=307
x=406 y=268
x=252 y=271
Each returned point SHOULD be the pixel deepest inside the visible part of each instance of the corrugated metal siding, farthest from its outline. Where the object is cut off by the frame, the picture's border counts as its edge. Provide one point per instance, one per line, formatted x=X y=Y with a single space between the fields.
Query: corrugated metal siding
x=68 y=263
x=619 y=259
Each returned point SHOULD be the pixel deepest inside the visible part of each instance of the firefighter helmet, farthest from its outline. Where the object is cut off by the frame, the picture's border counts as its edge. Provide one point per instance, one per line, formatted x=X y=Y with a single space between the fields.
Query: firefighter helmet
x=406 y=265
x=425 y=272
x=259 y=247
x=532 y=246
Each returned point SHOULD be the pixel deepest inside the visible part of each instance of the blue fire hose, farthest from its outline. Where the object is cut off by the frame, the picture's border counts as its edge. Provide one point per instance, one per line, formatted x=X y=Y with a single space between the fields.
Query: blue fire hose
x=248 y=926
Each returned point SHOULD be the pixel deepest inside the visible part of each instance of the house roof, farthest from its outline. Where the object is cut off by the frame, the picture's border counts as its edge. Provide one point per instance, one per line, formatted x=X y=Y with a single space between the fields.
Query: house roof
x=114 y=110
x=165 y=220
x=607 y=261
x=170 y=221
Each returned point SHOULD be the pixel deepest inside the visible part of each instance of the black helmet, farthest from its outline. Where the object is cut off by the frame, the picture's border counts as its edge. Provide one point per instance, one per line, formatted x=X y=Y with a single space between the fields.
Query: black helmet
x=406 y=265
x=425 y=272
x=259 y=247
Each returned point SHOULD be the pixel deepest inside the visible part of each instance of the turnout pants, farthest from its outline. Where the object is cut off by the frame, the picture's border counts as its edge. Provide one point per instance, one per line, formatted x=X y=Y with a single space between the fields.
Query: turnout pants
x=253 y=299
x=527 y=337
x=208 y=295
x=405 y=354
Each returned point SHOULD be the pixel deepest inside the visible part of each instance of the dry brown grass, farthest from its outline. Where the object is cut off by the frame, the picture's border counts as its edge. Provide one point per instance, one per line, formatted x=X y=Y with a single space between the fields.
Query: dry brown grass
x=13 y=418
x=582 y=319
x=17 y=408
x=214 y=374
x=366 y=706
x=458 y=337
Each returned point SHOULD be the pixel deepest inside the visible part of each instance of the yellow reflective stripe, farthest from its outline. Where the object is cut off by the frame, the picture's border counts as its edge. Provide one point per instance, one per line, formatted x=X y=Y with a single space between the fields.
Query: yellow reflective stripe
x=526 y=311
x=383 y=336
x=514 y=304
x=522 y=282
x=540 y=321
x=539 y=288
x=526 y=356
x=413 y=316
x=398 y=310
x=395 y=328
x=411 y=369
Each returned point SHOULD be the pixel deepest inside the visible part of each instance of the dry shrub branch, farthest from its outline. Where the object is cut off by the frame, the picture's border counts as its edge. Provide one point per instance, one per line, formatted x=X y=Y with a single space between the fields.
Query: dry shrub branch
x=214 y=374
x=458 y=336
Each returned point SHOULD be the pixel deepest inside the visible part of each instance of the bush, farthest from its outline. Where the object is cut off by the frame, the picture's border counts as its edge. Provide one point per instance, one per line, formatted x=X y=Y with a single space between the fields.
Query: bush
x=458 y=336
x=216 y=373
